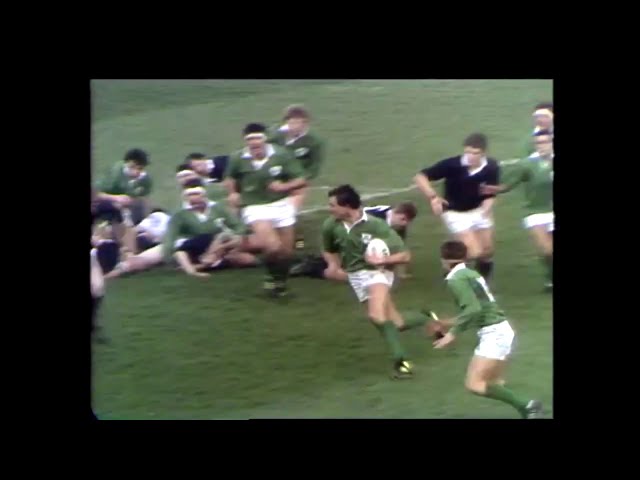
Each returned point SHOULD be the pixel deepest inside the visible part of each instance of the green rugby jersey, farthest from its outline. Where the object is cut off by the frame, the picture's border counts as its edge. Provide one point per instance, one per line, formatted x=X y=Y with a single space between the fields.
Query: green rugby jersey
x=117 y=182
x=351 y=241
x=309 y=149
x=537 y=175
x=252 y=181
x=188 y=223
x=474 y=300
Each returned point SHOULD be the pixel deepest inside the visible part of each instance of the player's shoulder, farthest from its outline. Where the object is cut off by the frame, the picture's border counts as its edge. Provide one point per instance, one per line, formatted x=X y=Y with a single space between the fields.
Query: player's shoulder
x=493 y=163
x=455 y=161
x=379 y=211
x=329 y=223
x=461 y=273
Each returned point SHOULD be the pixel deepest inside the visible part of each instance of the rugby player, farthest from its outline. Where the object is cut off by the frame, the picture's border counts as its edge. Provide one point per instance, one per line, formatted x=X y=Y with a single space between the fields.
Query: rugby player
x=543 y=120
x=398 y=217
x=345 y=237
x=536 y=172
x=466 y=212
x=260 y=180
x=478 y=310
x=211 y=170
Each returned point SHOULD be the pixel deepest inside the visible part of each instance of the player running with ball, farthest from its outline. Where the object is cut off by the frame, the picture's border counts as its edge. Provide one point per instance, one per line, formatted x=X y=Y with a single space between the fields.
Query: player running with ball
x=345 y=236
x=479 y=310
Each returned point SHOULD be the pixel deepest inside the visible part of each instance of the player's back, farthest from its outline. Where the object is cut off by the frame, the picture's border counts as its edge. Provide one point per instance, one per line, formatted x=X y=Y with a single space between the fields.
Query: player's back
x=466 y=285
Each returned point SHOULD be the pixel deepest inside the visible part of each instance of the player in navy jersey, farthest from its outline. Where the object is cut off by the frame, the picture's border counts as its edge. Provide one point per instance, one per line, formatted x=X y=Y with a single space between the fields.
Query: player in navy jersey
x=398 y=217
x=466 y=212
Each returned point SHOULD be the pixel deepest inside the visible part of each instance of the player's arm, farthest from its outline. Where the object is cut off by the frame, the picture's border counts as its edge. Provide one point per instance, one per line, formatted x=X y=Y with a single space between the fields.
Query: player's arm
x=468 y=303
x=316 y=160
x=515 y=174
x=423 y=181
x=493 y=180
x=399 y=253
x=292 y=170
x=171 y=235
x=230 y=181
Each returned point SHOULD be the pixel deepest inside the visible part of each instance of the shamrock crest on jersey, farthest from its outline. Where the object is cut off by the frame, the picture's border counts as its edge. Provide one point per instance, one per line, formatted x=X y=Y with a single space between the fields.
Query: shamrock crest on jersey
x=275 y=171
x=366 y=238
x=219 y=222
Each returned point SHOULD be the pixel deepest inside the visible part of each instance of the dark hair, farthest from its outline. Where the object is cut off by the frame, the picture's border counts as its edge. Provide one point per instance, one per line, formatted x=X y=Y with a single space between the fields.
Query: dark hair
x=183 y=166
x=296 y=111
x=192 y=183
x=476 y=140
x=543 y=106
x=542 y=133
x=407 y=208
x=195 y=156
x=453 y=250
x=137 y=156
x=346 y=196
x=254 y=128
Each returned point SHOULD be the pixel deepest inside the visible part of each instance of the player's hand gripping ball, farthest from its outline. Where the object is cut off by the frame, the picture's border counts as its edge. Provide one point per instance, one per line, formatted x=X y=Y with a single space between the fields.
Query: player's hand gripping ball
x=376 y=252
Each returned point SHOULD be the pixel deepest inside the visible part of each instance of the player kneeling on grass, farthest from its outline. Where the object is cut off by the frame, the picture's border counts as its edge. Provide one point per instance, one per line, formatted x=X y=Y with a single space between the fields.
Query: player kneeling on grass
x=536 y=172
x=478 y=309
x=346 y=235
x=398 y=217
x=260 y=180
x=203 y=235
x=466 y=212
x=150 y=233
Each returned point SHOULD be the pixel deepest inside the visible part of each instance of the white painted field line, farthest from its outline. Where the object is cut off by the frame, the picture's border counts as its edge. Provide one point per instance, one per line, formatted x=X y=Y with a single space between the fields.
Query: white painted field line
x=364 y=197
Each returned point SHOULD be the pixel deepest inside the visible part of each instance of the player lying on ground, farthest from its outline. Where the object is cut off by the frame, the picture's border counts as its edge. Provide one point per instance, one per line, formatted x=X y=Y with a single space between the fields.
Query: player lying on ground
x=345 y=236
x=260 y=180
x=543 y=120
x=203 y=235
x=150 y=233
x=304 y=144
x=466 y=212
x=536 y=172
x=399 y=218
x=479 y=310
x=122 y=196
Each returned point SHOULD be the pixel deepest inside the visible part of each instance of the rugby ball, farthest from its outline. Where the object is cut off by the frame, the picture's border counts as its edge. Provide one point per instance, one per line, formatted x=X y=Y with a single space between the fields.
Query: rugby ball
x=378 y=248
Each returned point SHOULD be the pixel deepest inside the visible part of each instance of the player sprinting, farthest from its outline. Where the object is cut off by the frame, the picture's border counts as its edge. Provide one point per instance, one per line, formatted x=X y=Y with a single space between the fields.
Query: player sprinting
x=261 y=180
x=536 y=172
x=466 y=212
x=345 y=237
x=479 y=310
x=398 y=217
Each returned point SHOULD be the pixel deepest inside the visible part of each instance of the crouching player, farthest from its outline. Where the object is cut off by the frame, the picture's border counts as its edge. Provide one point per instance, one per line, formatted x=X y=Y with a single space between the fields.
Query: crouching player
x=202 y=234
x=478 y=309
x=345 y=237
x=536 y=172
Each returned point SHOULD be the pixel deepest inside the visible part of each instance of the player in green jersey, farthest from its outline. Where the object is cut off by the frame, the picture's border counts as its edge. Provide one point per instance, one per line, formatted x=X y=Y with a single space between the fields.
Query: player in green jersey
x=260 y=180
x=543 y=119
x=345 y=237
x=536 y=172
x=479 y=310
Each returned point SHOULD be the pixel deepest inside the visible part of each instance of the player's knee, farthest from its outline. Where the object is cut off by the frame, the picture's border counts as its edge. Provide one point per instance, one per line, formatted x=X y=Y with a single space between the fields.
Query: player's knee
x=376 y=318
x=486 y=253
x=272 y=245
x=475 y=385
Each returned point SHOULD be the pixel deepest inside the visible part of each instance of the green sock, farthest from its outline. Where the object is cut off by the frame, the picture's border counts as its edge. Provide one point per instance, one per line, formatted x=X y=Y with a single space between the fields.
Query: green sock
x=283 y=269
x=389 y=332
x=413 y=319
x=505 y=395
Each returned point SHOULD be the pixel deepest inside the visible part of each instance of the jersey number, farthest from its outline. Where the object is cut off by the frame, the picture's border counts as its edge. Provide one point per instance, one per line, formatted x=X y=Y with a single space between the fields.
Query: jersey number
x=483 y=289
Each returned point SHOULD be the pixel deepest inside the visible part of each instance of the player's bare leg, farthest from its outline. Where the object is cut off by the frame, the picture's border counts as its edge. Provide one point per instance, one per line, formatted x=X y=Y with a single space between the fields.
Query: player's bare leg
x=483 y=375
x=543 y=240
x=378 y=294
x=269 y=240
x=484 y=262
x=143 y=261
x=470 y=239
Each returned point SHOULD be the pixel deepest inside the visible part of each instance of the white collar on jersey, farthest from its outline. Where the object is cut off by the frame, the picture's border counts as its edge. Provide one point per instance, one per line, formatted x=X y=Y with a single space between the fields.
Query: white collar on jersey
x=389 y=213
x=270 y=151
x=289 y=141
x=456 y=269
x=464 y=161
x=363 y=218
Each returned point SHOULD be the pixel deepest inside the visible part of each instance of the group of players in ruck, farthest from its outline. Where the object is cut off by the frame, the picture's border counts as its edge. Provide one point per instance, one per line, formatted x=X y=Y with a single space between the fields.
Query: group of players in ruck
x=240 y=211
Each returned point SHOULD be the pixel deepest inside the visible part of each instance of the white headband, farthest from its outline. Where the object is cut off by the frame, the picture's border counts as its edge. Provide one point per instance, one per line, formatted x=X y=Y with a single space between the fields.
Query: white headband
x=194 y=191
x=257 y=136
x=543 y=111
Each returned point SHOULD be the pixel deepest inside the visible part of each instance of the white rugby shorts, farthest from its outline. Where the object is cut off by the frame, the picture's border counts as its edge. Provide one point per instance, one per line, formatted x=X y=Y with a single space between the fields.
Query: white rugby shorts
x=361 y=280
x=457 y=222
x=537 y=219
x=281 y=213
x=496 y=341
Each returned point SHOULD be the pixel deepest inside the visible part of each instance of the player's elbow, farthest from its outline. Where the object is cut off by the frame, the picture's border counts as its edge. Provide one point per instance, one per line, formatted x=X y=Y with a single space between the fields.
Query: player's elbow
x=419 y=178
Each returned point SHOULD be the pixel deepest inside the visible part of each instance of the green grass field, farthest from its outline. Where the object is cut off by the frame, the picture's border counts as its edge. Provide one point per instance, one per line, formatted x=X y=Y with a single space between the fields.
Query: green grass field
x=188 y=348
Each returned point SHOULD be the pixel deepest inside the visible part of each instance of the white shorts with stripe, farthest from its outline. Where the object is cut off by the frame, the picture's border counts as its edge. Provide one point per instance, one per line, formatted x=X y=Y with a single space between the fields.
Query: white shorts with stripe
x=496 y=341
x=537 y=219
x=281 y=213
x=362 y=279
x=457 y=222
